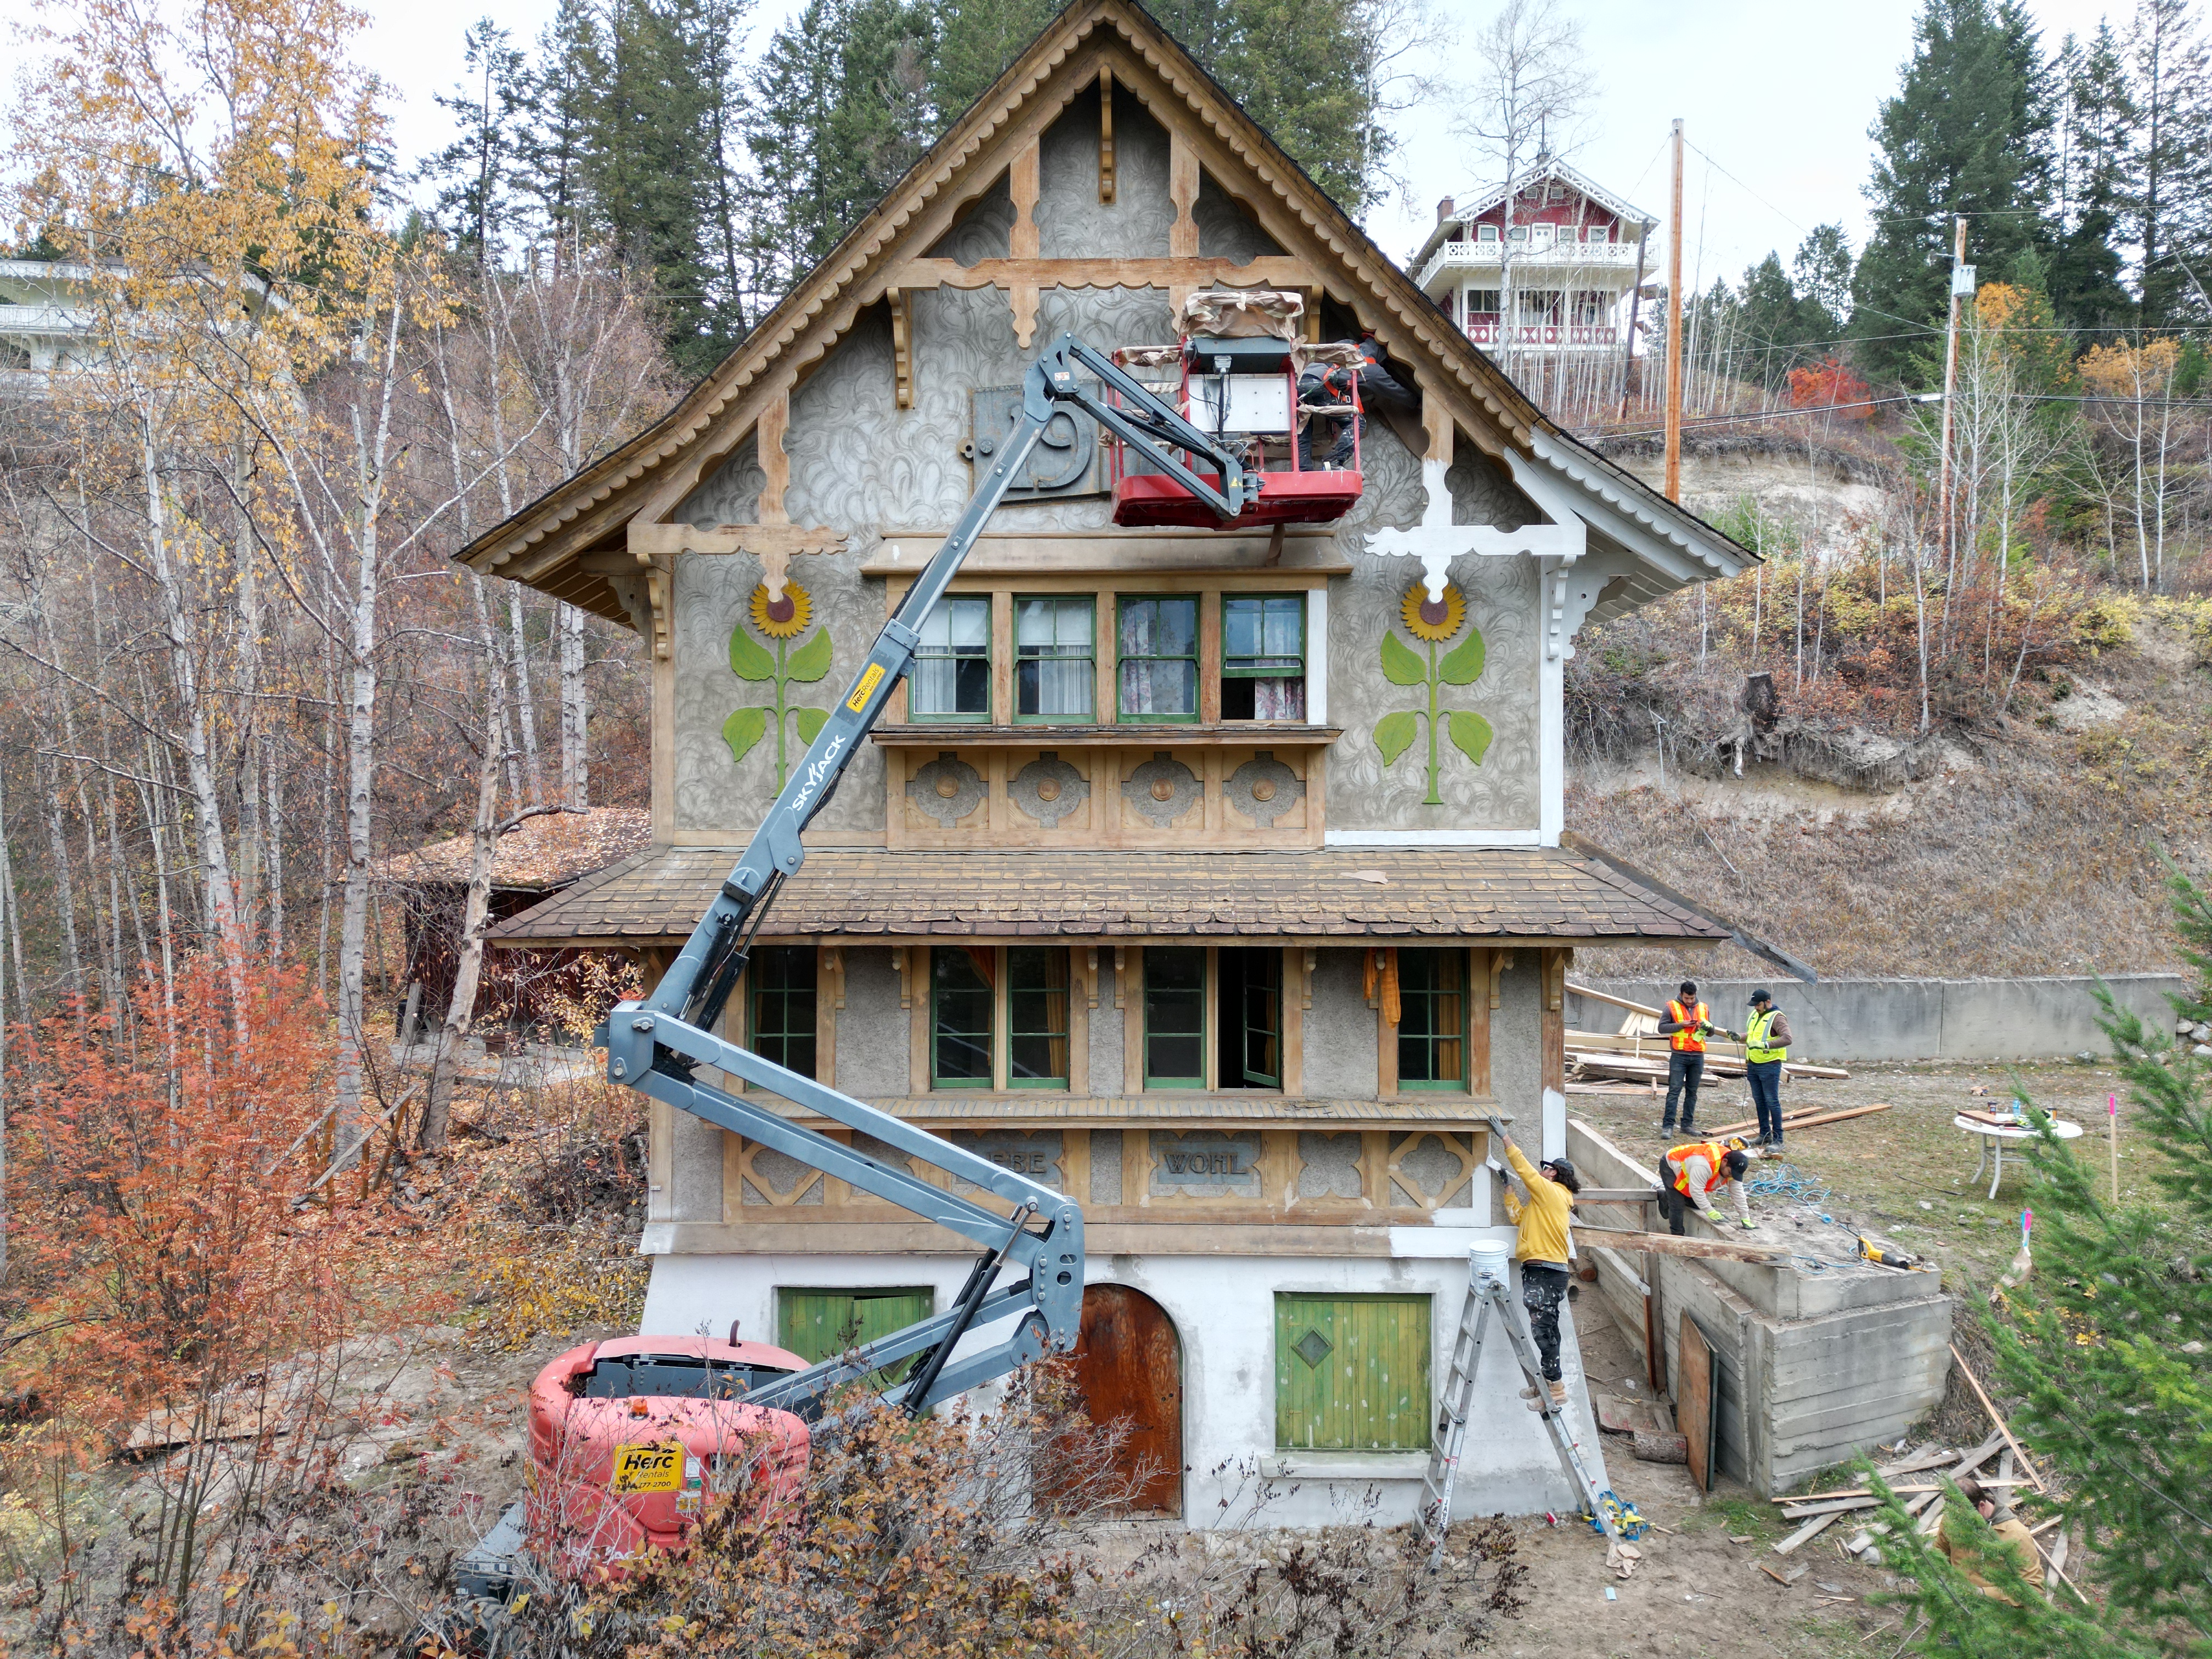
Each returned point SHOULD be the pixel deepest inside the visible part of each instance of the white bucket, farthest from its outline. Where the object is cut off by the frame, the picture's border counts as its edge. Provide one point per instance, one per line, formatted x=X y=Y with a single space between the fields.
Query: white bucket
x=1493 y=1262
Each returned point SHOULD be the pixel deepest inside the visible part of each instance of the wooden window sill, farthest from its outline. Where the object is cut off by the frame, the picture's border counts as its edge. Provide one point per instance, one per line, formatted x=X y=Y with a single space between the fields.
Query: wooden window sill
x=1229 y=735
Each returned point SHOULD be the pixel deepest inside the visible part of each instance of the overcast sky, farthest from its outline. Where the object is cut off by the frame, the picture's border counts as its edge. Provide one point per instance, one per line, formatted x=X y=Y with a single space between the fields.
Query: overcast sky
x=1779 y=96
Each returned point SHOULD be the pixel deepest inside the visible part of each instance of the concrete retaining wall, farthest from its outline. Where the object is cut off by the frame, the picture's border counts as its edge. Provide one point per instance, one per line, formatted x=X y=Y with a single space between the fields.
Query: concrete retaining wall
x=1864 y=1019
x=1812 y=1365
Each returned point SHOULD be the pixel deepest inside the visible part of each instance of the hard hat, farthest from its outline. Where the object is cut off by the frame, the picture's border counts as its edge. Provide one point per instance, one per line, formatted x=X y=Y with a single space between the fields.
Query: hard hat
x=1737 y=1144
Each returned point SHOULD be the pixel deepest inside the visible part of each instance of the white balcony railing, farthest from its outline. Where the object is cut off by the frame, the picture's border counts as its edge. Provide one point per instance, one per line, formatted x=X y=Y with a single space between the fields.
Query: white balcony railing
x=1552 y=260
x=1489 y=331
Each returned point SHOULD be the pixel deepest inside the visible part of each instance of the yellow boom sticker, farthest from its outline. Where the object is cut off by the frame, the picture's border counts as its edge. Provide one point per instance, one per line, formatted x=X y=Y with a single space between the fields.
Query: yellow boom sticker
x=648 y=1468
x=869 y=675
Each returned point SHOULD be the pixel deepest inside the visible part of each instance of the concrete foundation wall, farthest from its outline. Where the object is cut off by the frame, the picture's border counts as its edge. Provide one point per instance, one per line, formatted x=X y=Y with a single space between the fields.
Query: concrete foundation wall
x=1223 y=1308
x=1841 y=1020
x=1811 y=1366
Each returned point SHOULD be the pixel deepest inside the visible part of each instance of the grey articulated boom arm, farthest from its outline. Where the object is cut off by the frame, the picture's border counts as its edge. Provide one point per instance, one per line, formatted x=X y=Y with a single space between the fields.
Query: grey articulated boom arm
x=658 y=1043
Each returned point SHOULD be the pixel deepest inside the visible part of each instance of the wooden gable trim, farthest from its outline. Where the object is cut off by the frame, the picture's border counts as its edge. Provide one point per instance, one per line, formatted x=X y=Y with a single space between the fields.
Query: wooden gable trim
x=1080 y=54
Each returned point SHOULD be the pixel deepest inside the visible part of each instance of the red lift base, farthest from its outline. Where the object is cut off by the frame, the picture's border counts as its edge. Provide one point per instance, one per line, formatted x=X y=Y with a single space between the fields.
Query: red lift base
x=1147 y=499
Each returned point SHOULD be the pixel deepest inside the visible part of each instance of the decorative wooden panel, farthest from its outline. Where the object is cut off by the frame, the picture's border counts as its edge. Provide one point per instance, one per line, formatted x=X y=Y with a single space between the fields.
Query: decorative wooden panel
x=1351 y=1373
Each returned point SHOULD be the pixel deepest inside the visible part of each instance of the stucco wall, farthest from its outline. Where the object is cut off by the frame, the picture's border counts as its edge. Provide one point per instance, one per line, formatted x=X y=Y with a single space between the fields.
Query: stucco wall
x=1340 y=1029
x=1223 y=1308
x=872 y=1049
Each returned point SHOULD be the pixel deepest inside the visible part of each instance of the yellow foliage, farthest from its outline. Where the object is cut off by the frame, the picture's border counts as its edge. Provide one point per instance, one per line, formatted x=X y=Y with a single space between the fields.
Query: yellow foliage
x=2122 y=370
x=548 y=1280
x=2107 y=621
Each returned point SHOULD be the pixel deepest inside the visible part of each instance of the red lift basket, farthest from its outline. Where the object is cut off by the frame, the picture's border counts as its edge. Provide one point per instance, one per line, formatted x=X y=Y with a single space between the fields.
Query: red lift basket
x=1253 y=399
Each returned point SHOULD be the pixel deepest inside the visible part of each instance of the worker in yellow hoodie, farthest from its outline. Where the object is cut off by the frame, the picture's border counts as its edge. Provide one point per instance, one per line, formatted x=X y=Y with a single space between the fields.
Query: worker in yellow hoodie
x=1542 y=1252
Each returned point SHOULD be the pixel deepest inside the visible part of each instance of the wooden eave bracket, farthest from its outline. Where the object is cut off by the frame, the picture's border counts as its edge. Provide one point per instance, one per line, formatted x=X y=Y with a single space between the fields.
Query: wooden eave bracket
x=774 y=545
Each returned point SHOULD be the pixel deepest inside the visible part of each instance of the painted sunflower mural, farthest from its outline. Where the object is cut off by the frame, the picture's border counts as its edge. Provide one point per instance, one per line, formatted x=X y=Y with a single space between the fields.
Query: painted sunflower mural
x=780 y=621
x=1435 y=623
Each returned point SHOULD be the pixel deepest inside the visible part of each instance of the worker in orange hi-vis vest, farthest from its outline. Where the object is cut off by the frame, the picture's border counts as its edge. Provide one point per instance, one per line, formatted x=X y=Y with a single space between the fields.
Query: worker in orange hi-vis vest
x=1688 y=1174
x=1687 y=1025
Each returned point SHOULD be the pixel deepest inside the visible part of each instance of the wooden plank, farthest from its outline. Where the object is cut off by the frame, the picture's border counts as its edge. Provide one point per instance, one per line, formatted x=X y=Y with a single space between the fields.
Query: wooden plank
x=1808 y=1117
x=1974 y=1383
x=1617 y=1195
x=1805 y=1533
x=1617 y=1002
x=1715 y=1250
x=1697 y=1402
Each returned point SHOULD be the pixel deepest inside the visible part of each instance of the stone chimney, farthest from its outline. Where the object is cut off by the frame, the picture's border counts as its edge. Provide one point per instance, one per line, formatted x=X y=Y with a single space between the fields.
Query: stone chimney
x=1444 y=209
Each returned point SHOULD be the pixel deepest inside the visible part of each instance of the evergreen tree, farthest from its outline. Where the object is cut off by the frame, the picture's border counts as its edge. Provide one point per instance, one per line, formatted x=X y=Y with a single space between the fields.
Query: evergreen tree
x=2106 y=1345
x=1772 y=323
x=2173 y=217
x=563 y=98
x=977 y=39
x=481 y=173
x=1966 y=133
x=1821 y=274
x=2096 y=128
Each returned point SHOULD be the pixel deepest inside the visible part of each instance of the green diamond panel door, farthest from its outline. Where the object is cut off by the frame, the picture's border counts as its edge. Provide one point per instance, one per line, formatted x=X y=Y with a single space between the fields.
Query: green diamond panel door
x=1351 y=1373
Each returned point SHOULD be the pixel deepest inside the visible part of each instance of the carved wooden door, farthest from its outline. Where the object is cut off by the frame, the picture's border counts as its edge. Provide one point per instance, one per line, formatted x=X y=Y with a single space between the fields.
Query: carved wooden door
x=1128 y=1365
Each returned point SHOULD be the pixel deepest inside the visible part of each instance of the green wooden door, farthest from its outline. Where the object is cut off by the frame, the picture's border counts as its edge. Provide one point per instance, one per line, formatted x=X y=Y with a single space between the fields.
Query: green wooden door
x=1351 y=1373
x=819 y=1325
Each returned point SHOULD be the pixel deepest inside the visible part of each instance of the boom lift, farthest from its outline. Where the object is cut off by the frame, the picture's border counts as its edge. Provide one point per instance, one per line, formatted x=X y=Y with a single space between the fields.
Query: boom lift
x=660 y=1043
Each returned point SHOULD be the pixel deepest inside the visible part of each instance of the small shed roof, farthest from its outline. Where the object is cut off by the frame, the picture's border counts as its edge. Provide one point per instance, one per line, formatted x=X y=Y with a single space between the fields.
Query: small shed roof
x=543 y=853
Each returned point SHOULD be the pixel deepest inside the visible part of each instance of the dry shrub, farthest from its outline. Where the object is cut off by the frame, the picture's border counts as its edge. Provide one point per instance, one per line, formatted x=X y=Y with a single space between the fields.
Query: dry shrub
x=177 y=1300
x=540 y=1281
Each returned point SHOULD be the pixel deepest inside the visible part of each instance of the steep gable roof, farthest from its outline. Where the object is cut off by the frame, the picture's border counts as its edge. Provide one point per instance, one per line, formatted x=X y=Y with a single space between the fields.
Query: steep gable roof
x=571 y=541
x=1548 y=169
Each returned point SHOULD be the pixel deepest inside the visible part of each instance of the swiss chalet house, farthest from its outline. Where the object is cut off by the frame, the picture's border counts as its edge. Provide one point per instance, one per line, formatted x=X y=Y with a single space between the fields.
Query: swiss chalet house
x=1216 y=878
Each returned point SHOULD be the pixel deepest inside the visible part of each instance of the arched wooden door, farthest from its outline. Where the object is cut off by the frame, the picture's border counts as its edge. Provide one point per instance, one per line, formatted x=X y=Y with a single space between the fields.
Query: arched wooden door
x=1129 y=1363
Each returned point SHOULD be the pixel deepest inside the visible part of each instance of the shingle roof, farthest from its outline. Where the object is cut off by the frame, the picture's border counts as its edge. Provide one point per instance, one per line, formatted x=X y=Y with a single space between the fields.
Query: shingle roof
x=1475 y=893
x=549 y=849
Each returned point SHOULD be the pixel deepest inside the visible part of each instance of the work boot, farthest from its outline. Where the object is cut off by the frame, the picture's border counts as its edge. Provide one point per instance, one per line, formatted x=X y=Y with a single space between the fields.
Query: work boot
x=1556 y=1402
x=1666 y=1125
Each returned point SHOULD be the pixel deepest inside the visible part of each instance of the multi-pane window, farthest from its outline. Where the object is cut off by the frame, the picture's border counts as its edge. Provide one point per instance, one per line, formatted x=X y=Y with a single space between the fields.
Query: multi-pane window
x=1482 y=302
x=783 y=978
x=1485 y=233
x=1175 y=1017
x=1432 y=1019
x=1053 y=672
x=1351 y=1373
x=951 y=676
x=960 y=1024
x=1263 y=663
x=1156 y=646
x=1037 y=1015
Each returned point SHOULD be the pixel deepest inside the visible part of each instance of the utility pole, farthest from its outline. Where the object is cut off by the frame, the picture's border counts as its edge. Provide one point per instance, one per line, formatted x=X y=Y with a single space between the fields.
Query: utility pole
x=1962 y=283
x=1674 y=332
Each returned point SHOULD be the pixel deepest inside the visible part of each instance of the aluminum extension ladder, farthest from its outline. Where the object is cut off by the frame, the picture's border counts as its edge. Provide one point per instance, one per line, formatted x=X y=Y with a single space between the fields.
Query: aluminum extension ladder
x=1488 y=1289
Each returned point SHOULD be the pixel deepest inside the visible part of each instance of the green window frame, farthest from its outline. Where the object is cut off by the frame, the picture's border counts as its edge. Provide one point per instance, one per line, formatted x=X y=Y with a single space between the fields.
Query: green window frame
x=949 y=684
x=1351 y=1373
x=1055 y=659
x=963 y=1028
x=1037 y=987
x=1156 y=658
x=818 y=1324
x=1175 y=1017
x=1263 y=656
x=1433 y=1020
x=783 y=978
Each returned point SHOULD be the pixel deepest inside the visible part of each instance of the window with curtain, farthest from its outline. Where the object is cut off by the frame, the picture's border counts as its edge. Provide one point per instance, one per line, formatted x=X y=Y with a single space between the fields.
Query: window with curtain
x=1037 y=1015
x=1053 y=672
x=1156 y=647
x=1175 y=1017
x=951 y=676
x=1263 y=657
x=960 y=1026
x=1432 y=1019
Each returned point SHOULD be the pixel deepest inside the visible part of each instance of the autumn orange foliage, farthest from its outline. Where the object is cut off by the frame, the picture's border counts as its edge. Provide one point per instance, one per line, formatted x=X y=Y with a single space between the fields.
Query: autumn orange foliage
x=1830 y=384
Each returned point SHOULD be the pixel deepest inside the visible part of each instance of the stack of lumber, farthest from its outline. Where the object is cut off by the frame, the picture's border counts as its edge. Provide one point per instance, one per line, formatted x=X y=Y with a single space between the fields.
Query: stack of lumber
x=1820 y=1510
x=1595 y=1056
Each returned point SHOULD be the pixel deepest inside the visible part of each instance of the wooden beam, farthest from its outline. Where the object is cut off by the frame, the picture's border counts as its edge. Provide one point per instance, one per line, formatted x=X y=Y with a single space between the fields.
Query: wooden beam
x=902 y=305
x=1106 y=132
x=1025 y=239
x=1182 y=190
x=1274 y=271
x=776 y=464
x=1714 y=1249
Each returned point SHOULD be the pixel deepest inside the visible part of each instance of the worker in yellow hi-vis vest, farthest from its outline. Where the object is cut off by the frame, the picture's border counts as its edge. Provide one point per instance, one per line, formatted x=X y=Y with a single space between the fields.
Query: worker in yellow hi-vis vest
x=1766 y=1046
